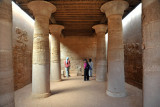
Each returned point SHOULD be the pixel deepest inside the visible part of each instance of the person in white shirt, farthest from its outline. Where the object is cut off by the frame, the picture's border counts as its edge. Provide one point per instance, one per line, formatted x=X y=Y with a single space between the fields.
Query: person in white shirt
x=91 y=67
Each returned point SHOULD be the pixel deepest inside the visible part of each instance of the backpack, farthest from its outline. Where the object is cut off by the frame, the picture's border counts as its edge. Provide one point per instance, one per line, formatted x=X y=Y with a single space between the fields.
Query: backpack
x=88 y=67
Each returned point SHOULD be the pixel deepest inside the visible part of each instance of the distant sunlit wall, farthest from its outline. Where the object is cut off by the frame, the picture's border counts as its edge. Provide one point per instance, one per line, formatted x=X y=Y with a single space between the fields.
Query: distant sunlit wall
x=132 y=25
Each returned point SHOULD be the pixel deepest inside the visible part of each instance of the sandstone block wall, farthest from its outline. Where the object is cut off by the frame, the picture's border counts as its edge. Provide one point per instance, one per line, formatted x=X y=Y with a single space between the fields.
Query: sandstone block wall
x=132 y=48
x=77 y=48
x=22 y=40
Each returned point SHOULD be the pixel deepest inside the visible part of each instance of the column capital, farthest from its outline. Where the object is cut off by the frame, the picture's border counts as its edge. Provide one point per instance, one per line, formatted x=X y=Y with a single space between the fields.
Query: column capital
x=41 y=8
x=56 y=29
x=100 y=28
x=115 y=7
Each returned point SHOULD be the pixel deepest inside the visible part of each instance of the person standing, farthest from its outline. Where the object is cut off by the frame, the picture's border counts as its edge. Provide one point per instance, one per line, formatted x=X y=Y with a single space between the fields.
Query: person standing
x=86 y=70
x=91 y=67
x=67 y=66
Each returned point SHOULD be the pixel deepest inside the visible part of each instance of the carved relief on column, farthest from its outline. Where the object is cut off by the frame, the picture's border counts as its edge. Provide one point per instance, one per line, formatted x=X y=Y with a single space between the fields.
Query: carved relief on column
x=41 y=57
x=22 y=60
x=41 y=11
x=55 y=68
x=101 y=63
x=116 y=80
x=100 y=30
x=55 y=33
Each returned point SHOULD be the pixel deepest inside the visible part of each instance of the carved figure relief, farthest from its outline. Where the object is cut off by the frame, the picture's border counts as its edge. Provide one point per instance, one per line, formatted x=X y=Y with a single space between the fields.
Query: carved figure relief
x=132 y=48
x=133 y=63
x=22 y=60
x=21 y=39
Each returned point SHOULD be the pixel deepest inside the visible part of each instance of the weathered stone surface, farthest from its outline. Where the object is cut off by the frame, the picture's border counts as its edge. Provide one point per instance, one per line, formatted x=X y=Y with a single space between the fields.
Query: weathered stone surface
x=116 y=81
x=41 y=50
x=41 y=56
x=78 y=48
x=46 y=9
x=132 y=36
x=22 y=41
x=133 y=64
x=22 y=60
x=116 y=86
x=114 y=7
x=151 y=53
x=6 y=67
x=55 y=67
x=101 y=62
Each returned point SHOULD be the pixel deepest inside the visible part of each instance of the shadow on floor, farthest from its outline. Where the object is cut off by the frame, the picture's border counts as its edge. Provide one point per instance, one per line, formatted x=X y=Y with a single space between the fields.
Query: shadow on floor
x=53 y=92
x=65 y=90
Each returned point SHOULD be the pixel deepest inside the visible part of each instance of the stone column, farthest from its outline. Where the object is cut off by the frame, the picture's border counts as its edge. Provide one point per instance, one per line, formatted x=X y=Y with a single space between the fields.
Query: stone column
x=101 y=63
x=116 y=82
x=6 y=67
x=151 y=53
x=55 y=68
x=41 y=58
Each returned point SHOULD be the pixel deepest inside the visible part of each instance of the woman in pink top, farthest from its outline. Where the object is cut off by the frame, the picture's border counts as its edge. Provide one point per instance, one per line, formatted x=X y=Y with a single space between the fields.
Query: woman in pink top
x=67 y=66
x=86 y=70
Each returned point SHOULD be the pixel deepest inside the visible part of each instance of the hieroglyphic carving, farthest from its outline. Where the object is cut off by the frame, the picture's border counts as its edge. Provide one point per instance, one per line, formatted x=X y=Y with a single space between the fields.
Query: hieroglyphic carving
x=132 y=48
x=133 y=63
x=22 y=62
x=21 y=40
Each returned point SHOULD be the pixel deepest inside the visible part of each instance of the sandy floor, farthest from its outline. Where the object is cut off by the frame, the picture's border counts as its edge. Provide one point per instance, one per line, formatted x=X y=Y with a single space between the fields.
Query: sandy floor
x=74 y=92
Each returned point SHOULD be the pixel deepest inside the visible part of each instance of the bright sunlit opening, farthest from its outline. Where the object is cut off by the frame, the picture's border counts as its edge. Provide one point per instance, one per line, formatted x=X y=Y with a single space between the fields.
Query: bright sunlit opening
x=136 y=12
x=20 y=12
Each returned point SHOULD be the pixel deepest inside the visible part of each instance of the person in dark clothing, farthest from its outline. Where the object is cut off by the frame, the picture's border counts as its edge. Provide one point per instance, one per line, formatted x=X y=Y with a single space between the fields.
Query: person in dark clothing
x=86 y=70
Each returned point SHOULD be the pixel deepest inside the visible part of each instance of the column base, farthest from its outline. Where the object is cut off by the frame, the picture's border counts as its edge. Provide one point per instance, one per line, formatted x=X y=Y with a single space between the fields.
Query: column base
x=121 y=94
x=41 y=95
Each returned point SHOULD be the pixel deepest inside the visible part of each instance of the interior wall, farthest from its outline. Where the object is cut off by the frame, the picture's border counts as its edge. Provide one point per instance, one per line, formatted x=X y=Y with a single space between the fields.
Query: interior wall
x=132 y=47
x=22 y=36
x=78 y=48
